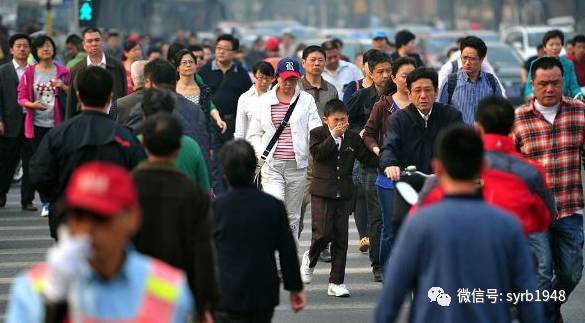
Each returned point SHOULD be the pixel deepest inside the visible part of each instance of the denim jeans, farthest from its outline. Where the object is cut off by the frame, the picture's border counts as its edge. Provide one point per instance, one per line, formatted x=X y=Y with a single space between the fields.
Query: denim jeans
x=386 y=197
x=559 y=251
x=368 y=185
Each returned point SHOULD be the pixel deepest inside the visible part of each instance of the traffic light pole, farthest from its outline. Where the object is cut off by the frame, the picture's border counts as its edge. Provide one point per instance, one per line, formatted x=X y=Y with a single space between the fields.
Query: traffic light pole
x=49 y=24
x=74 y=26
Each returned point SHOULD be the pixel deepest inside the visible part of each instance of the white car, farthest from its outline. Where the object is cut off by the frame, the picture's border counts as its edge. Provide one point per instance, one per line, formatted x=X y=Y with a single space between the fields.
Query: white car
x=525 y=39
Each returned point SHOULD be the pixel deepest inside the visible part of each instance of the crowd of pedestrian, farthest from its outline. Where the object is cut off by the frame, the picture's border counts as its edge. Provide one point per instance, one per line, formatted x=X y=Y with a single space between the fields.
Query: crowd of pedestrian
x=176 y=181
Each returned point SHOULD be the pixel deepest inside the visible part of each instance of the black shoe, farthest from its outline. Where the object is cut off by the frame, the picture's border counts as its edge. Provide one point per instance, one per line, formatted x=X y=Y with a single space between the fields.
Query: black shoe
x=29 y=207
x=325 y=256
x=3 y=201
x=377 y=276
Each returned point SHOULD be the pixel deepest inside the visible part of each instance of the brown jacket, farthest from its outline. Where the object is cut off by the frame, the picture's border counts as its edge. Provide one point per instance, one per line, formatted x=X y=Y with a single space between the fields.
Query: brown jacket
x=377 y=124
x=332 y=169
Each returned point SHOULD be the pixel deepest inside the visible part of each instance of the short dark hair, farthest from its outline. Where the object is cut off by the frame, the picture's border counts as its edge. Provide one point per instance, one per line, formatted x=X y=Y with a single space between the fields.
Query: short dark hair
x=539 y=47
x=311 y=49
x=401 y=61
x=369 y=54
x=378 y=58
x=174 y=48
x=338 y=41
x=16 y=37
x=333 y=106
x=264 y=68
x=495 y=114
x=180 y=54
x=162 y=134
x=94 y=85
x=74 y=40
x=161 y=72
x=422 y=73
x=329 y=45
x=157 y=100
x=555 y=33
x=460 y=151
x=475 y=43
x=195 y=48
x=153 y=50
x=578 y=39
x=38 y=42
x=238 y=162
x=227 y=37
x=545 y=63
x=403 y=37
x=90 y=30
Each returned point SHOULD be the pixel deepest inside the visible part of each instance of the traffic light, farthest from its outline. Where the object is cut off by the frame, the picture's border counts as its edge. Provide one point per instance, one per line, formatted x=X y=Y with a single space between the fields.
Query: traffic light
x=88 y=13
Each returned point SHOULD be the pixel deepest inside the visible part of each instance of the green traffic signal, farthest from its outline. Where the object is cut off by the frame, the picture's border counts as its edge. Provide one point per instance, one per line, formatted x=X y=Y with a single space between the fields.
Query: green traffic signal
x=85 y=12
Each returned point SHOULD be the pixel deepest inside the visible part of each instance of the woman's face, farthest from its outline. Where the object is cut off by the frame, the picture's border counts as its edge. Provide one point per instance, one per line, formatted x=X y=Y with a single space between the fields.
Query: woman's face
x=263 y=82
x=46 y=51
x=289 y=85
x=553 y=47
x=187 y=65
x=134 y=54
x=400 y=77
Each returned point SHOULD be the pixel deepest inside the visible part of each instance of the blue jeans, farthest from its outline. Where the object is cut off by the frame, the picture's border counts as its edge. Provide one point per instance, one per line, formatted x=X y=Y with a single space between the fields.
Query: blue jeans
x=386 y=198
x=559 y=250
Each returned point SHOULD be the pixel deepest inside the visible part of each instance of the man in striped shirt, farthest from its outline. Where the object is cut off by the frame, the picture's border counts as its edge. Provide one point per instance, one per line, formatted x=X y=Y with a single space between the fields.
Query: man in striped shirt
x=550 y=130
x=467 y=86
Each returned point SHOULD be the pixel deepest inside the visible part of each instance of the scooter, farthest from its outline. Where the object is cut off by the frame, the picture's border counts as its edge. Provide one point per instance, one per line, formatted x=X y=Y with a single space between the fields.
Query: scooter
x=408 y=187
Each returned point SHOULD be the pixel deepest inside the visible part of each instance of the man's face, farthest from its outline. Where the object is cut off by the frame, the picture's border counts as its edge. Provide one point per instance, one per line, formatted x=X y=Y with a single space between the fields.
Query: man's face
x=200 y=58
x=224 y=52
x=470 y=60
x=333 y=58
x=206 y=55
x=92 y=43
x=553 y=47
x=71 y=49
x=114 y=41
x=335 y=118
x=548 y=86
x=314 y=64
x=579 y=50
x=379 y=44
x=108 y=236
x=409 y=47
x=569 y=49
x=20 y=49
x=381 y=74
x=423 y=94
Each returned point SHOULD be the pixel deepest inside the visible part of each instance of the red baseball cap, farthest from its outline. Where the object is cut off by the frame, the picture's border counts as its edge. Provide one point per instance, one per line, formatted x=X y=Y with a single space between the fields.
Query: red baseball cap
x=101 y=188
x=271 y=44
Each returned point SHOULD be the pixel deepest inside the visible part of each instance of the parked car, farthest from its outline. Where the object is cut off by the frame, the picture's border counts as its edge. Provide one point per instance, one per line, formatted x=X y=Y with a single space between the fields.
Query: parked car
x=507 y=65
x=525 y=39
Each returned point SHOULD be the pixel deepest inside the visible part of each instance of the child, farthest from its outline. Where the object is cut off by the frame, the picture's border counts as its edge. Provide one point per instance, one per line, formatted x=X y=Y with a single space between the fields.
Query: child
x=334 y=151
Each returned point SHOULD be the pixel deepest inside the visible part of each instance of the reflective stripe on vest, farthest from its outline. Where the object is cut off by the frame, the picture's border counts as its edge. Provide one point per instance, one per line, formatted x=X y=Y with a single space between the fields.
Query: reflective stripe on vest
x=162 y=289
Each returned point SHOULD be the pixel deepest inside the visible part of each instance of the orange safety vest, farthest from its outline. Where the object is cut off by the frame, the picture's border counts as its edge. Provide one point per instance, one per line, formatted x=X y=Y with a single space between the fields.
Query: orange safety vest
x=158 y=304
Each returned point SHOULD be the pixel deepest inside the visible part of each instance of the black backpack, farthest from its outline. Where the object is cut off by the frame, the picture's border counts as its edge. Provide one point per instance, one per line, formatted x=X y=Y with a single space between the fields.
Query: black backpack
x=452 y=81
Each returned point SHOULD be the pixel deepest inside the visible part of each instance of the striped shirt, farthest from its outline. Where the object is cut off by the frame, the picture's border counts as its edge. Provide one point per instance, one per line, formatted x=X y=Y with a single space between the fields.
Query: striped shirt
x=284 y=145
x=467 y=94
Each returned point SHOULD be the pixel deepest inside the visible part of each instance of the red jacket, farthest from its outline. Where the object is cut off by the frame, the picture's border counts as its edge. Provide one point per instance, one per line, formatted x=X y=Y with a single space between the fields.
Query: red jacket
x=510 y=182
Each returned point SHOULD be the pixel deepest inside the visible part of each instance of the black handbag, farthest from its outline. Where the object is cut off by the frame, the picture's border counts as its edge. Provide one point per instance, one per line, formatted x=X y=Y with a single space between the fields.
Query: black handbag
x=264 y=156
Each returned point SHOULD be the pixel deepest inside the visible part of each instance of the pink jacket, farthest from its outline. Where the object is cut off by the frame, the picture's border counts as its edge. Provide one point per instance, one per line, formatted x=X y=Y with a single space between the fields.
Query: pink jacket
x=26 y=94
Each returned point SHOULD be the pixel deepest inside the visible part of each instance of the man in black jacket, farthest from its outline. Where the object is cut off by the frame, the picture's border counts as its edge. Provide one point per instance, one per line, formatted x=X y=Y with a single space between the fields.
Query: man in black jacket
x=246 y=239
x=89 y=136
x=175 y=212
x=412 y=131
x=92 y=44
x=12 y=141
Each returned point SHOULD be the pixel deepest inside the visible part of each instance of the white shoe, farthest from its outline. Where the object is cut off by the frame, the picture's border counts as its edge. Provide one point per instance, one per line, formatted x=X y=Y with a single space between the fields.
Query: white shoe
x=45 y=210
x=306 y=271
x=338 y=290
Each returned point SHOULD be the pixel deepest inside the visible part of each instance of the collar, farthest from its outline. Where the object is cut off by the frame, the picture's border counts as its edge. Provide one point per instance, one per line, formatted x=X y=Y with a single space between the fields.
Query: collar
x=125 y=272
x=539 y=106
x=564 y=102
x=273 y=99
x=426 y=118
x=159 y=166
x=477 y=196
x=16 y=66
x=461 y=73
x=500 y=143
x=309 y=86
x=102 y=63
x=215 y=66
x=342 y=64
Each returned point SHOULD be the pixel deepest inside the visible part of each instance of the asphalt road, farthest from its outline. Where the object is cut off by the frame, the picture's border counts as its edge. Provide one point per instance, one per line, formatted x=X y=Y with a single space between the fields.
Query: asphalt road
x=24 y=238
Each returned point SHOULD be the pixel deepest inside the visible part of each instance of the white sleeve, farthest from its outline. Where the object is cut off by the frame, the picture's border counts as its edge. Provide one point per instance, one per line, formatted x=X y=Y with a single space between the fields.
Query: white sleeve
x=255 y=131
x=444 y=72
x=241 y=118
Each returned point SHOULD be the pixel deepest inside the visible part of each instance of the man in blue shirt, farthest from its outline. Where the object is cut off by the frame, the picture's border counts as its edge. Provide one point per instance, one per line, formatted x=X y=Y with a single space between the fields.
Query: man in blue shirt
x=464 y=88
x=461 y=257
x=92 y=274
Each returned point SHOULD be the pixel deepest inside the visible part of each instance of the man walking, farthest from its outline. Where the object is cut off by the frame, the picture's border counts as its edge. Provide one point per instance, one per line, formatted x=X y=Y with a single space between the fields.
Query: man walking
x=337 y=71
x=404 y=40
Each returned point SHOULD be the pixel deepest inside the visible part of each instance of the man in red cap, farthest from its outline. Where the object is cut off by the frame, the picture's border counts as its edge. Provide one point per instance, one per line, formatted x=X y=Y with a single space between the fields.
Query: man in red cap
x=272 y=51
x=92 y=274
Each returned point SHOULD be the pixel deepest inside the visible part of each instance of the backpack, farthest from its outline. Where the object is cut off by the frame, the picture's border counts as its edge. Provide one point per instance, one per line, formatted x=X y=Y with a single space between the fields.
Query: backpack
x=452 y=81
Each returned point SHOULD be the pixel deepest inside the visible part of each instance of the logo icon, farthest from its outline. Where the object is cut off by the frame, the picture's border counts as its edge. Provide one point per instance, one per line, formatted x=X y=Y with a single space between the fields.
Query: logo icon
x=289 y=66
x=437 y=294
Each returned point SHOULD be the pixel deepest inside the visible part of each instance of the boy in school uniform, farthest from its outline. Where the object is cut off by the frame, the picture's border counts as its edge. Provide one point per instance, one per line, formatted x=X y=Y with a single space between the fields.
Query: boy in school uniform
x=334 y=151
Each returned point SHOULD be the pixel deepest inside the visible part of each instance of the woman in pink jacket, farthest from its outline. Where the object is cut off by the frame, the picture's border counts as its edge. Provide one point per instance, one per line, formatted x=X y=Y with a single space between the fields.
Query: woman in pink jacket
x=42 y=91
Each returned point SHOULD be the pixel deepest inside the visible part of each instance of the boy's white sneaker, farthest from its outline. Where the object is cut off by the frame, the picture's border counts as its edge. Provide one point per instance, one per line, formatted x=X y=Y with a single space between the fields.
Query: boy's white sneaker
x=338 y=290
x=306 y=271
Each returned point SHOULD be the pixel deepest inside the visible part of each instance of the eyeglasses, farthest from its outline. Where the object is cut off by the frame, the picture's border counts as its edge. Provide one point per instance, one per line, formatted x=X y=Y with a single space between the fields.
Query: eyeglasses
x=186 y=63
x=264 y=78
x=469 y=59
x=223 y=49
